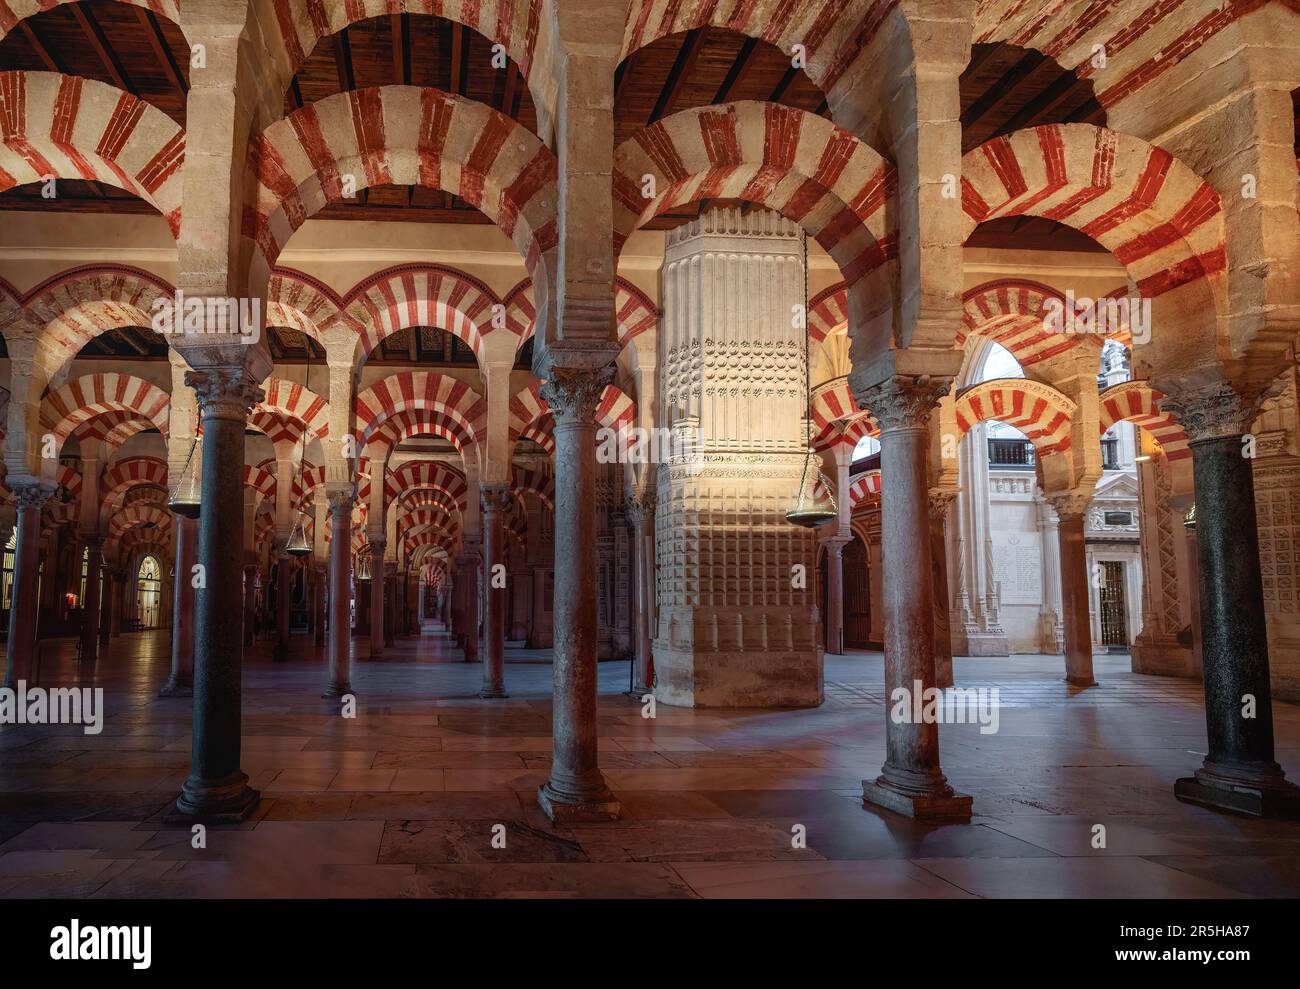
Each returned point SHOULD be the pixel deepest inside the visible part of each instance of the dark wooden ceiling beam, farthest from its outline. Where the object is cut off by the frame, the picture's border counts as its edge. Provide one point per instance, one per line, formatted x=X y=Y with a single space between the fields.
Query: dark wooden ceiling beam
x=101 y=46
x=162 y=51
x=791 y=74
x=343 y=61
x=736 y=74
x=457 y=58
x=401 y=62
x=1063 y=89
x=1000 y=91
x=622 y=74
x=682 y=67
x=39 y=47
x=511 y=87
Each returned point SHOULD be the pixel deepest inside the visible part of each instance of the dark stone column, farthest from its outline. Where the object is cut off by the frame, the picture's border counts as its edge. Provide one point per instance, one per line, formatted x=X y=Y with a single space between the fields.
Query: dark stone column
x=283 y=591
x=217 y=789
x=90 y=625
x=1240 y=773
x=911 y=781
x=470 y=587
x=23 y=603
x=377 y=546
x=640 y=513
x=1071 y=510
x=390 y=604
x=341 y=502
x=576 y=790
x=495 y=500
x=108 y=613
x=181 y=681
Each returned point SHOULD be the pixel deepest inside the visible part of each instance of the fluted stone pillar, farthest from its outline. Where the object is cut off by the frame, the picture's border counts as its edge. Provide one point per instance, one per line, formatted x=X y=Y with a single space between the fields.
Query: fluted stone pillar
x=1240 y=772
x=377 y=546
x=181 y=681
x=911 y=781
x=217 y=789
x=640 y=514
x=283 y=582
x=90 y=624
x=576 y=790
x=495 y=501
x=338 y=681
x=1071 y=510
x=23 y=604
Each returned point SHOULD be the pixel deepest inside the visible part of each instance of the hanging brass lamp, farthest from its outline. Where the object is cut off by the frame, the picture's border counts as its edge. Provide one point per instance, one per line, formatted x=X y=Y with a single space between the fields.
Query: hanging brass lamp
x=186 y=496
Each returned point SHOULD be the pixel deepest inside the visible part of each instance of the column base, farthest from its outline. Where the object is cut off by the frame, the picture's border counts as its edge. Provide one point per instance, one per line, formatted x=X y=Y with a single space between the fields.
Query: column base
x=177 y=688
x=1250 y=790
x=333 y=690
x=564 y=809
x=227 y=801
x=940 y=805
x=1081 y=681
x=489 y=692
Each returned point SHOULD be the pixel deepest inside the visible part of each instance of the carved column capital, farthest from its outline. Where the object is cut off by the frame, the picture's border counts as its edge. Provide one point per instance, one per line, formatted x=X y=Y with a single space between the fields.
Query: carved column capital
x=341 y=502
x=574 y=393
x=1211 y=410
x=494 y=498
x=32 y=495
x=640 y=508
x=225 y=392
x=940 y=500
x=904 y=401
x=1070 y=504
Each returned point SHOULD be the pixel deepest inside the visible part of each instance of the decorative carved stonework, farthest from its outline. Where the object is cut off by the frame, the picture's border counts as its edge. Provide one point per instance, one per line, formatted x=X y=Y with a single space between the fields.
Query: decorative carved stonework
x=32 y=495
x=574 y=393
x=495 y=498
x=341 y=502
x=1070 y=504
x=225 y=393
x=1211 y=411
x=940 y=500
x=903 y=402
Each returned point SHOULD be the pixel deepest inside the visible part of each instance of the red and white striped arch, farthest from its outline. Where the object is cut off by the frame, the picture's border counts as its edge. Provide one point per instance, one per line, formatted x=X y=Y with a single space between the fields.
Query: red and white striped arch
x=94 y=394
x=864 y=486
x=310 y=480
x=833 y=32
x=1137 y=402
x=140 y=514
x=530 y=480
x=284 y=431
x=411 y=423
x=112 y=428
x=296 y=401
x=420 y=391
x=1158 y=217
x=434 y=498
x=788 y=160
x=422 y=295
x=1039 y=411
x=79 y=304
x=428 y=540
x=435 y=475
x=74 y=128
x=836 y=415
x=527 y=408
x=261 y=481
x=124 y=475
x=634 y=312
x=399 y=135
x=299 y=302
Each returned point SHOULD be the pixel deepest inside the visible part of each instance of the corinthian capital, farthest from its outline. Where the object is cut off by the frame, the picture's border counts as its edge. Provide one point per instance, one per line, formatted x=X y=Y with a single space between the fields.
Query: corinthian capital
x=903 y=401
x=225 y=392
x=574 y=393
x=1070 y=504
x=1211 y=410
x=494 y=498
x=32 y=495
x=341 y=501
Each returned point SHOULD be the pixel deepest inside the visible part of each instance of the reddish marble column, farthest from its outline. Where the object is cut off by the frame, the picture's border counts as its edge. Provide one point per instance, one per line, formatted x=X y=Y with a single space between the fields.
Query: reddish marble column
x=341 y=502
x=640 y=513
x=576 y=790
x=23 y=604
x=109 y=610
x=181 y=681
x=495 y=501
x=90 y=625
x=1071 y=510
x=940 y=500
x=390 y=604
x=377 y=547
x=911 y=781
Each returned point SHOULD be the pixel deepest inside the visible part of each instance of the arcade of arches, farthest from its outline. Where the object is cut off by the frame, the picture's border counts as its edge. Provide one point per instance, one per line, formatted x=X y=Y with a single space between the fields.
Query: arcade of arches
x=506 y=334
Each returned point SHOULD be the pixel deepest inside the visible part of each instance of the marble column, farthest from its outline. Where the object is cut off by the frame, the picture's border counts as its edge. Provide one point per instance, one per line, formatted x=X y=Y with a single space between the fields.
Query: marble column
x=109 y=610
x=283 y=583
x=181 y=681
x=1071 y=511
x=1240 y=773
x=390 y=604
x=217 y=789
x=318 y=602
x=495 y=501
x=23 y=603
x=640 y=514
x=470 y=589
x=576 y=790
x=90 y=624
x=940 y=500
x=250 y=603
x=1051 y=634
x=377 y=546
x=341 y=502
x=911 y=781
x=835 y=593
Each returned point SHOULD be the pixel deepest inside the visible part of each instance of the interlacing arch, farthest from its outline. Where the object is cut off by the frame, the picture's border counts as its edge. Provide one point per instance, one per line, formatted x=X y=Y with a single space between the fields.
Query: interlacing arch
x=1039 y=411
x=1158 y=217
x=79 y=304
x=788 y=160
x=420 y=390
x=92 y=395
x=398 y=135
x=833 y=32
x=1137 y=402
x=435 y=295
x=67 y=127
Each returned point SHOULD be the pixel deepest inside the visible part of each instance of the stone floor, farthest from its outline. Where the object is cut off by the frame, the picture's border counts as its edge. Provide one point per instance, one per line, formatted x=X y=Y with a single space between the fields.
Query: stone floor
x=402 y=801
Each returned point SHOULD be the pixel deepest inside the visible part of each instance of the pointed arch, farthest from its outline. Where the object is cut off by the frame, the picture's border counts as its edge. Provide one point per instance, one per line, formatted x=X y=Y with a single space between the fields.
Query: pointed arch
x=74 y=128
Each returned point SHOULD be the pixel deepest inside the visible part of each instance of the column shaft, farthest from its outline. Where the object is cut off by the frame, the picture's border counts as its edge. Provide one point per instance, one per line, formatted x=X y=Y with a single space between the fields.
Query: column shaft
x=377 y=546
x=23 y=603
x=181 y=681
x=495 y=499
x=340 y=566
x=283 y=582
x=90 y=626
x=1074 y=599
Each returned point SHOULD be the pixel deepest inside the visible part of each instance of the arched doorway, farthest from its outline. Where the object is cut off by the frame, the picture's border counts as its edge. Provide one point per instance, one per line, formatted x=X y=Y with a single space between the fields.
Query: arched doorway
x=857 y=595
x=148 y=593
